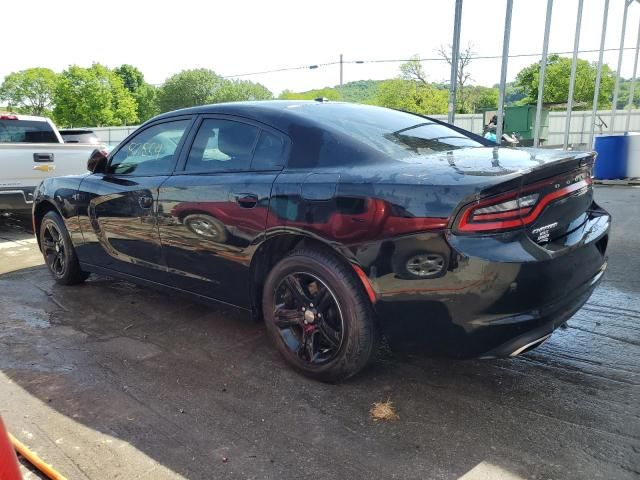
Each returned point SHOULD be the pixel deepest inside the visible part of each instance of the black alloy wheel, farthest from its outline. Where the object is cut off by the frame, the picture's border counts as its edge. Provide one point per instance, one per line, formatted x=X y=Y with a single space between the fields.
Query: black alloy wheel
x=58 y=252
x=318 y=314
x=53 y=249
x=308 y=317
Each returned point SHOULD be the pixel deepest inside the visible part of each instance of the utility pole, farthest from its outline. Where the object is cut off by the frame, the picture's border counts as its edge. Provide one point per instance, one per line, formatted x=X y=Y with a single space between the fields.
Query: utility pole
x=340 y=70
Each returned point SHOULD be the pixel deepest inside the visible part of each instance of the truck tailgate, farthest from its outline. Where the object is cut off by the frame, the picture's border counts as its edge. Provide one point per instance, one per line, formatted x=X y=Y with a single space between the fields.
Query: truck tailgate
x=27 y=164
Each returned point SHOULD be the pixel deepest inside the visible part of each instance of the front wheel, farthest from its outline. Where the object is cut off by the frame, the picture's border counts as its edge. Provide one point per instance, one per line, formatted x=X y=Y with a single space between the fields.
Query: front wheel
x=58 y=251
x=319 y=316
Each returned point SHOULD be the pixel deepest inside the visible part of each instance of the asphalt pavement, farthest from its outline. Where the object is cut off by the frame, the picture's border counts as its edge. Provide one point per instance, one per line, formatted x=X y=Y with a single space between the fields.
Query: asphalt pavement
x=111 y=380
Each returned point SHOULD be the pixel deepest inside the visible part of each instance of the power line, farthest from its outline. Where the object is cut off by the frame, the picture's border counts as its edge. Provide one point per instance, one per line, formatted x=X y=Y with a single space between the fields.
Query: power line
x=403 y=60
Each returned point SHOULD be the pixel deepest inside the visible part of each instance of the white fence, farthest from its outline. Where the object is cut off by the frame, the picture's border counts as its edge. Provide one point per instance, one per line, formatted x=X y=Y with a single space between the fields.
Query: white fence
x=578 y=133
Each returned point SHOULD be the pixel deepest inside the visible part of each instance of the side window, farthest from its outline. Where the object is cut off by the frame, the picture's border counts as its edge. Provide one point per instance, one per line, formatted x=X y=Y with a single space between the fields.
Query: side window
x=269 y=152
x=222 y=145
x=151 y=152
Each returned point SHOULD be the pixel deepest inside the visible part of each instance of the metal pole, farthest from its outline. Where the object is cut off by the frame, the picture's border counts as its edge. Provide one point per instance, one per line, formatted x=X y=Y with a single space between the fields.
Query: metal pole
x=616 y=89
x=633 y=82
x=572 y=80
x=455 y=53
x=596 y=92
x=503 y=70
x=340 y=70
x=543 y=67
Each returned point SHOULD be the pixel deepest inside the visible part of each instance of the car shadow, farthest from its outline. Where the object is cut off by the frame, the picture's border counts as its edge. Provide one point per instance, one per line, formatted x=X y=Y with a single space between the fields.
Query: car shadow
x=198 y=389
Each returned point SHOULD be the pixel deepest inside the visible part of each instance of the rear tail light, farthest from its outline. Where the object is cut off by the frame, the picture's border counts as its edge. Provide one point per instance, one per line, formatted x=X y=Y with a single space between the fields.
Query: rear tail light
x=514 y=210
x=8 y=117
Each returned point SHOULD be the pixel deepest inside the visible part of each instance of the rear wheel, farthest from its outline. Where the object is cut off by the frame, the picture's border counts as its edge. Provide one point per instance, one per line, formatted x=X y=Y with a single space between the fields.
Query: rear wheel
x=319 y=316
x=58 y=251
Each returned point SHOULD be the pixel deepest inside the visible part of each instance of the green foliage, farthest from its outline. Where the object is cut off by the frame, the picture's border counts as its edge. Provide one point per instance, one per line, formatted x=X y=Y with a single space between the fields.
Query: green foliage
x=478 y=97
x=190 y=88
x=142 y=92
x=29 y=91
x=513 y=93
x=412 y=96
x=624 y=92
x=362 y=91
x=240 y=90
x=556 y=84
x=413 y=70
x=327 y=92
x=93 y=96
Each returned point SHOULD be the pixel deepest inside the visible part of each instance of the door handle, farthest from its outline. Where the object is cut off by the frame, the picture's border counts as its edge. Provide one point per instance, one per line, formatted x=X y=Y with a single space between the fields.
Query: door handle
x=43 y=157
x=145 y=202
x=246 y=200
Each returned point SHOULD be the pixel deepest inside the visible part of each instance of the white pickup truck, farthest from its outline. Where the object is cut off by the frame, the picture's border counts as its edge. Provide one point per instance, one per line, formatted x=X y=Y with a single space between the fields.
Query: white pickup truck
x=31 y=149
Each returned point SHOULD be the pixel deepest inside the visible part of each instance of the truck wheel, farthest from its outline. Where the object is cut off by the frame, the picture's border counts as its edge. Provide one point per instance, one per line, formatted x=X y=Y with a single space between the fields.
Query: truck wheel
x=58 y=251
x=318 y=315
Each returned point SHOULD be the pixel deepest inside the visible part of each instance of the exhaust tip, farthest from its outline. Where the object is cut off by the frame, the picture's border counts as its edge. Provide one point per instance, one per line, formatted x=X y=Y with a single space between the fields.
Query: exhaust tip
x=530 y=346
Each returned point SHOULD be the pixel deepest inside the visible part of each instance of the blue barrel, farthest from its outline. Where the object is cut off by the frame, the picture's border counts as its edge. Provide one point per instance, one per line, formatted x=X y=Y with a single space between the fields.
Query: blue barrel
x=611 y=162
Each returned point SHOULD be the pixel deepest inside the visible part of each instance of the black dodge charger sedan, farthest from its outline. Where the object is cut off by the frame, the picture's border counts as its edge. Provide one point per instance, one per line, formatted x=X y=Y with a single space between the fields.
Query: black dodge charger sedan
x=339 y=224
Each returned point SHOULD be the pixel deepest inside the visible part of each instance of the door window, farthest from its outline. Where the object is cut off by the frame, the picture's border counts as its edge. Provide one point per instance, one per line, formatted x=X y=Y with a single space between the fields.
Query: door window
x=269 y=154
x=151 y=152
x=222 y=145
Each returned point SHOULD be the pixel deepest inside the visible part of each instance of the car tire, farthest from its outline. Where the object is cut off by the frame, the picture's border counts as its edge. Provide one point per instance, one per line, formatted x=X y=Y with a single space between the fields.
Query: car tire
x=58 y=251
x=341 y=326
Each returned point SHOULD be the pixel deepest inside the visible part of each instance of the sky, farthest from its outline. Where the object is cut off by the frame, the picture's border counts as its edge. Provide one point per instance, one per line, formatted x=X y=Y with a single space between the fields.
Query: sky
x=234 y=37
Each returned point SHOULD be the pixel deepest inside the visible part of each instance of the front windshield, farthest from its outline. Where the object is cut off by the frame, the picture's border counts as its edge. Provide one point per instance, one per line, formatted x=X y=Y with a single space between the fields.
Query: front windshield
x=402 y=136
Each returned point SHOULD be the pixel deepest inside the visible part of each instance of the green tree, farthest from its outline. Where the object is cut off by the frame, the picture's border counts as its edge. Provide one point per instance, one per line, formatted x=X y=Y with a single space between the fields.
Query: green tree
x=360 y=91
x=556 y=83
x=327 y=92
x=30 y=91
x=479 y=97
x=188 y=88
x=142 y=92
x=625 y=91
x=413 y=70
x=93 y=96
x=240 y=90
x=412 y=96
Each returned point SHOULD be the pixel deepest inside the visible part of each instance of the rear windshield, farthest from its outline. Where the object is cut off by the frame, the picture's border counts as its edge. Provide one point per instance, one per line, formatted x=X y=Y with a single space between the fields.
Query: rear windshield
x=400 y=135
x=79 y=137
x=26 y=131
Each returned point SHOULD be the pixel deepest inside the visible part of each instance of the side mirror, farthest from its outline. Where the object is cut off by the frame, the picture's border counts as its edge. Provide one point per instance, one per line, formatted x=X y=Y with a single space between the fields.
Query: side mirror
x=97 y=161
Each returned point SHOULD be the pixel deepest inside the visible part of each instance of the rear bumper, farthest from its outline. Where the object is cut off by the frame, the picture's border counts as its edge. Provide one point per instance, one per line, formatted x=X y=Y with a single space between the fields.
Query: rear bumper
x=498 y=297
x=546 y=319
x=18 y=199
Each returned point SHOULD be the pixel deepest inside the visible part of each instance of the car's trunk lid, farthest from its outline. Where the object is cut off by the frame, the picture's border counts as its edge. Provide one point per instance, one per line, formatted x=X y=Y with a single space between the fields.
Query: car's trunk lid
x=549 y=198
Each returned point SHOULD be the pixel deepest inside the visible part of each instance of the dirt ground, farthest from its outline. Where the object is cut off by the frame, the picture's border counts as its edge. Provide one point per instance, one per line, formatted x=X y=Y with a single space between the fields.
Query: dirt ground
x=110 y=380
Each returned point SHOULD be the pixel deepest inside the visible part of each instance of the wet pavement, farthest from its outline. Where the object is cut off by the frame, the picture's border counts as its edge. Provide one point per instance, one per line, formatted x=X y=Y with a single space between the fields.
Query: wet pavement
x=110 y=380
